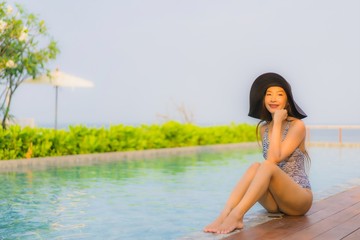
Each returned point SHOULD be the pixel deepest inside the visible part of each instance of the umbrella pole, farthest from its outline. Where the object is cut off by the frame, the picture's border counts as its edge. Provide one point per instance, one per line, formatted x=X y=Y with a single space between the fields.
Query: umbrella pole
x=56 y=105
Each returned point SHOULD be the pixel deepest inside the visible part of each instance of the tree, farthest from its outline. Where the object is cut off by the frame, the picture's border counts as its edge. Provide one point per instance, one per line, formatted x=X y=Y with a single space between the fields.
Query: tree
x=25 y=48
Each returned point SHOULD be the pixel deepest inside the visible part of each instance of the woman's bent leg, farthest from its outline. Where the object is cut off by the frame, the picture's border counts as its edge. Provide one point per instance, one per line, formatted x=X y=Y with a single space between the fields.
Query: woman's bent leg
x=235 y=197
x=290 y=197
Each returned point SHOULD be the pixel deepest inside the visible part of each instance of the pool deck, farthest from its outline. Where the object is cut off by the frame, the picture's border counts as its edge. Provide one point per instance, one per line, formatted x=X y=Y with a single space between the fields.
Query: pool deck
x=335 y=217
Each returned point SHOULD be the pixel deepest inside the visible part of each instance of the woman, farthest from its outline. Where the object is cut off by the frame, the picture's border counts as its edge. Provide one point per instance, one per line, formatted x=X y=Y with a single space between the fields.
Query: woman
x=280 y=182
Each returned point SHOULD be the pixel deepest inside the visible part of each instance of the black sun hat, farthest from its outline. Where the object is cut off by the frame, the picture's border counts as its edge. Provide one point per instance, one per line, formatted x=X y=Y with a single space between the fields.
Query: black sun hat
x=258 y=90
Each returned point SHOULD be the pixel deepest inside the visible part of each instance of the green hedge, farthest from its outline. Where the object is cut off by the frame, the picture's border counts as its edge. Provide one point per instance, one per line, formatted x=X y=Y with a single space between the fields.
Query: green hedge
x=17 y=142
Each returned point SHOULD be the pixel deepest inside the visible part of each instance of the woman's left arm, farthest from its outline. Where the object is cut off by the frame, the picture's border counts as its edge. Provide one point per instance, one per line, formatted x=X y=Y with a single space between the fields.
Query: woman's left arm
x=293 y=139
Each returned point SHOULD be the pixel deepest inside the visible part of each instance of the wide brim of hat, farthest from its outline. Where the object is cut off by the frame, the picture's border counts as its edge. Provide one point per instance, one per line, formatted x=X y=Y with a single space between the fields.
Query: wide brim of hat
x=258 y=89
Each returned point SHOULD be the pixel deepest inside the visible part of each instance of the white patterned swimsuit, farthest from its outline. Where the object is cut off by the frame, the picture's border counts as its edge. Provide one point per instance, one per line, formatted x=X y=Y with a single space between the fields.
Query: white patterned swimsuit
x=294 y=165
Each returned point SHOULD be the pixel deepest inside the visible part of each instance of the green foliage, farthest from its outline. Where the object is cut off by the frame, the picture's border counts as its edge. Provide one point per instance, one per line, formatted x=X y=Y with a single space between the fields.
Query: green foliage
x=21 y=54
x=17 y=142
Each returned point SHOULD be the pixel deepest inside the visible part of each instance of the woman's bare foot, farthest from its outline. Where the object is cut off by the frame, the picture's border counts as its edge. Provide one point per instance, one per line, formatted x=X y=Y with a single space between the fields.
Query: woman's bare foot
x=213 y=227
x=231 y=223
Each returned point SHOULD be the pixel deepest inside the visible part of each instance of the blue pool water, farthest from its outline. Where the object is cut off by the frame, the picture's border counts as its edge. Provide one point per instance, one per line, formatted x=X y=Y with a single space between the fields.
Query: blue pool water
x=165 y=198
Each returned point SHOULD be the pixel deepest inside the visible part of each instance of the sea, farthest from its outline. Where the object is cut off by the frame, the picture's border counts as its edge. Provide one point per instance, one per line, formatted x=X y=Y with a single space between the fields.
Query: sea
x=334 y=135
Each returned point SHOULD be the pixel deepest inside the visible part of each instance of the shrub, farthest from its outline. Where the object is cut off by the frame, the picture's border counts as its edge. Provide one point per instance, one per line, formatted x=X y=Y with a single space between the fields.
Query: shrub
x=17 y=142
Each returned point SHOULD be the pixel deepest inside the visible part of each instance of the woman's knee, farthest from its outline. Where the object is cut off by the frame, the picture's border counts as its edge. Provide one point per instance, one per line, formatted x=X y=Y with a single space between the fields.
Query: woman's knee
x=254 y=166
x=268 y=164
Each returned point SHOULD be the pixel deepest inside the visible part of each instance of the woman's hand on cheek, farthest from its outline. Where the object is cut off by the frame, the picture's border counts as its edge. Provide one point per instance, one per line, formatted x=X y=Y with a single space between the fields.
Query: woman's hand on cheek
x=280 y=115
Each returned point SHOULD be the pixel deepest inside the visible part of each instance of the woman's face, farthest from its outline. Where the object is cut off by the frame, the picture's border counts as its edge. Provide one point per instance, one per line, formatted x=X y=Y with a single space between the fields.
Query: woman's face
x=275 y=99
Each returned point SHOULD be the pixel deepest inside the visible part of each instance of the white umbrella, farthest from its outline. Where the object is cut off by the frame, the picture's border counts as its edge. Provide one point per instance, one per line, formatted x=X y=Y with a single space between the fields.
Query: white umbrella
x=59 y=79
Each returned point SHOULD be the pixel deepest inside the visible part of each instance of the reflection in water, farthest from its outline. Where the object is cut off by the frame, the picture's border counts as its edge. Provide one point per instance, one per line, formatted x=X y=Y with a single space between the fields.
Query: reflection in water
x=164 y=198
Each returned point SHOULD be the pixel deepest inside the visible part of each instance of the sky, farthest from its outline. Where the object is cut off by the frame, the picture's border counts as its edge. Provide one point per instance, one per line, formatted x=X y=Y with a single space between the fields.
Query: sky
x=147 y=59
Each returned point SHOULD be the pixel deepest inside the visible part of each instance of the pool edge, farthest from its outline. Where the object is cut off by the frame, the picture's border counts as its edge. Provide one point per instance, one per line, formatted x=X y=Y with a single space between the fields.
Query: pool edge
x=21 y=165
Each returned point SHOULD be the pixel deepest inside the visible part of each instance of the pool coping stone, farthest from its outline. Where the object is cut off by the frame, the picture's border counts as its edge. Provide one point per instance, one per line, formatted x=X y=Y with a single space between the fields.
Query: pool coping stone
x=22 y=165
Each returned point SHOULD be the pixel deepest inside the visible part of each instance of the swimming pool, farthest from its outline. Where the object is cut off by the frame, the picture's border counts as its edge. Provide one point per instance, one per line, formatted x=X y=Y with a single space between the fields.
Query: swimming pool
x=164 y=198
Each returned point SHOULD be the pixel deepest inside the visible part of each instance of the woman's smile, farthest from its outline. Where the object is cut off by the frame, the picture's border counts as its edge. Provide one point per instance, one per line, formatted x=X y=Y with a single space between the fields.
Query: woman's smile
x=273 y=105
